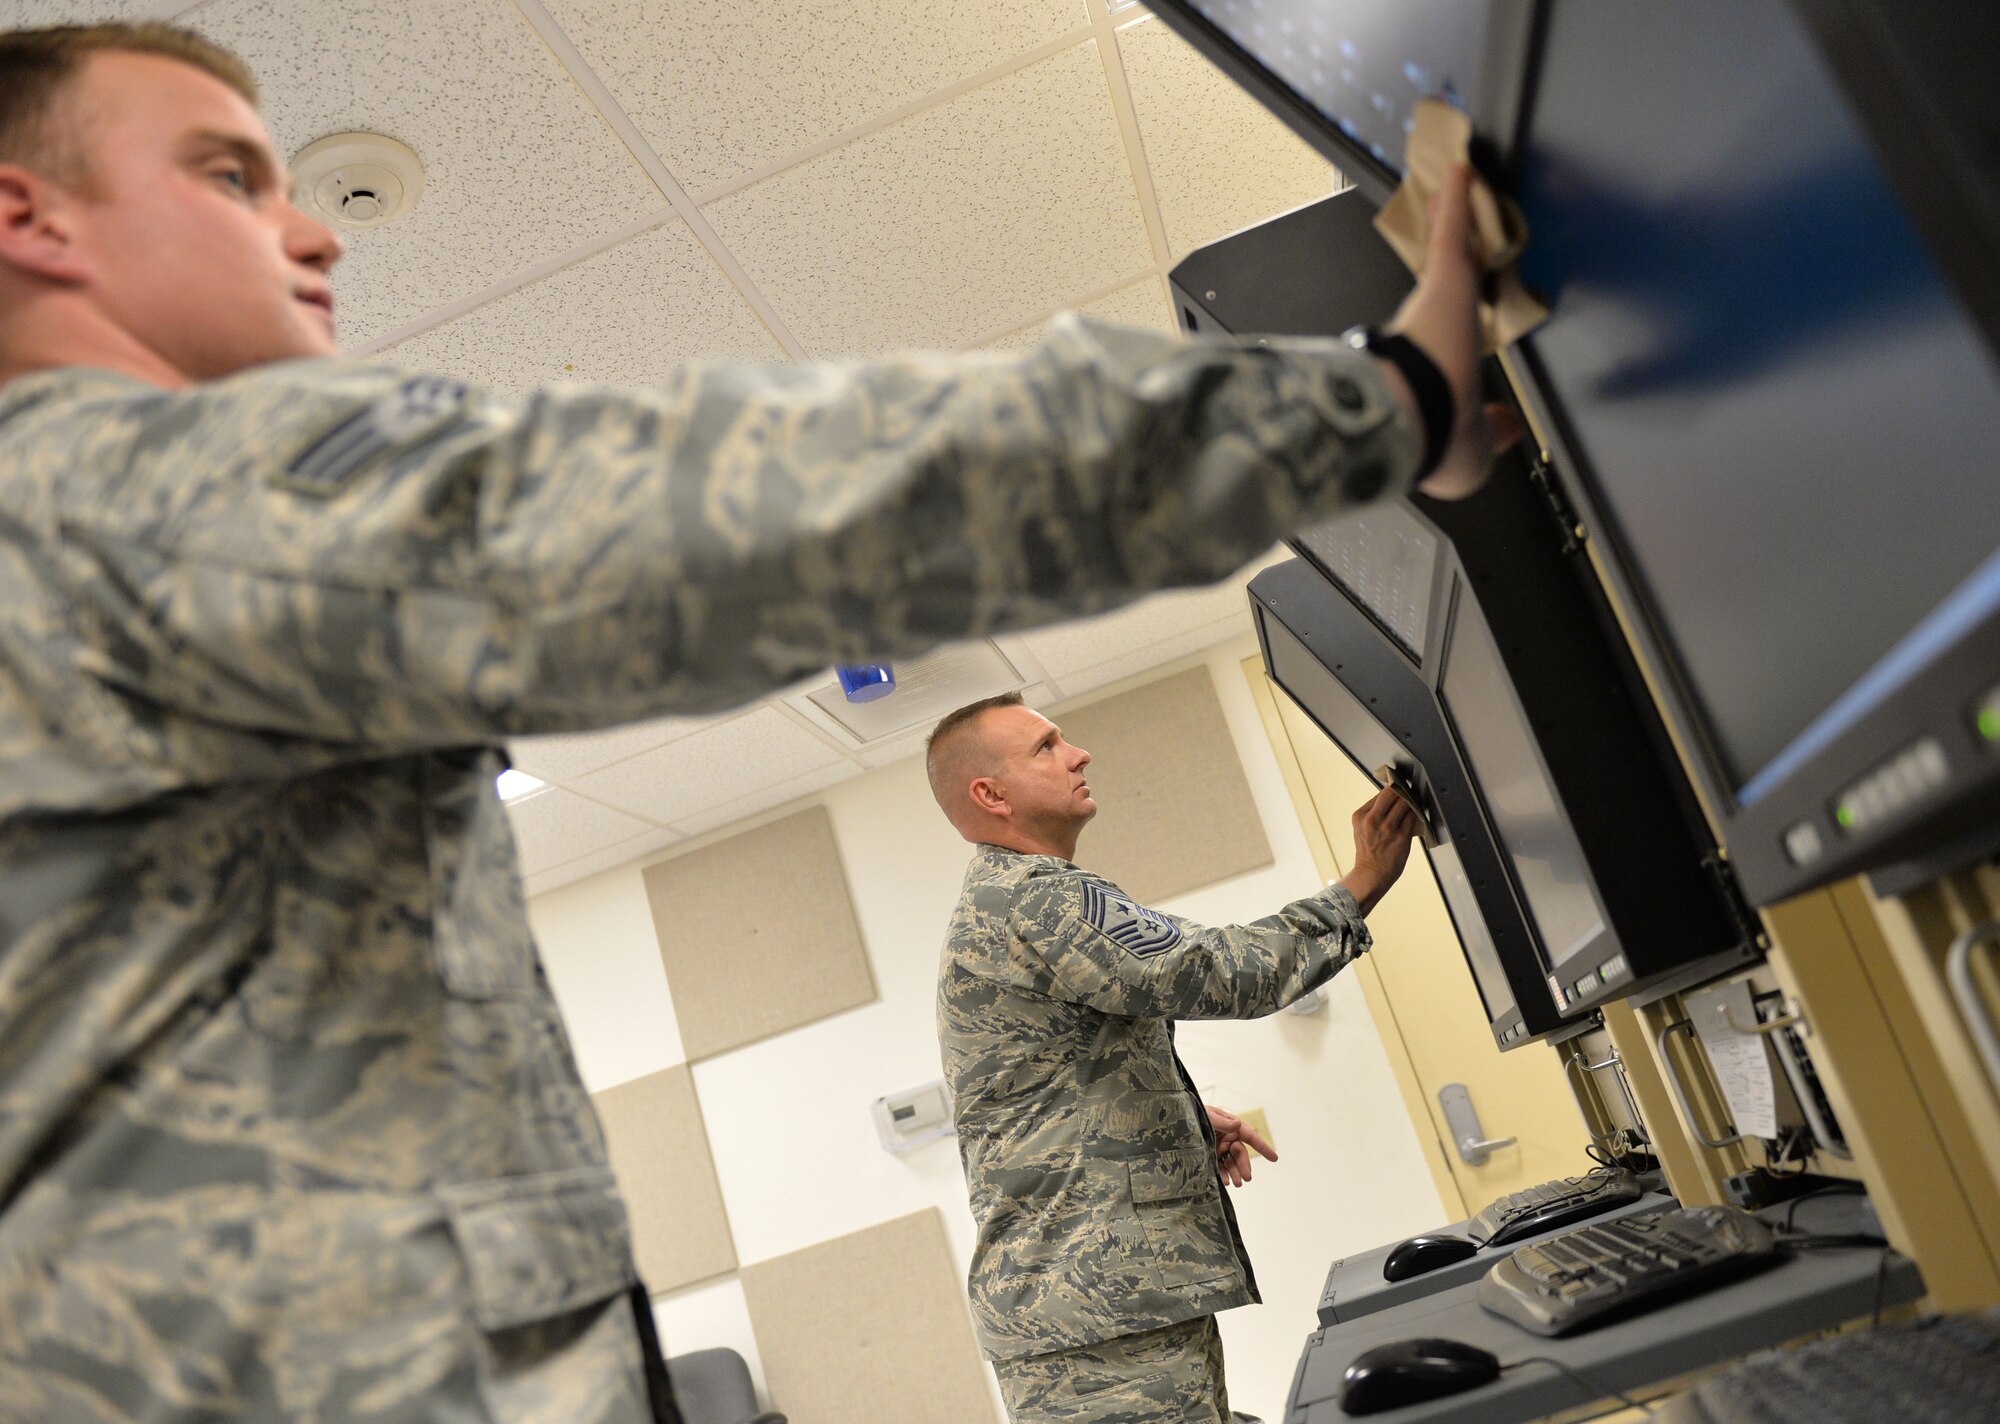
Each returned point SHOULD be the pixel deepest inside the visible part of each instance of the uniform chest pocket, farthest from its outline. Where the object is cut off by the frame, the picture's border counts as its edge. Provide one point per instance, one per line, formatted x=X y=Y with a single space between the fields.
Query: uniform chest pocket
x=479 y=920
x=1177 y=1196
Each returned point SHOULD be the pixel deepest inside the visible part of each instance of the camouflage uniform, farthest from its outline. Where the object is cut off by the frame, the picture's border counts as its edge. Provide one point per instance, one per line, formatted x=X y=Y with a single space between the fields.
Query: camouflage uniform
x=289 y=1124
x=1172 y=1375
x=1090 y=1160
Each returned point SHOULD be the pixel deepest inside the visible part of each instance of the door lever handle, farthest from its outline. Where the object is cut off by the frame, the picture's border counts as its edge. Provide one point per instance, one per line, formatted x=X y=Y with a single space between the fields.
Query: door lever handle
x=1473 y=1145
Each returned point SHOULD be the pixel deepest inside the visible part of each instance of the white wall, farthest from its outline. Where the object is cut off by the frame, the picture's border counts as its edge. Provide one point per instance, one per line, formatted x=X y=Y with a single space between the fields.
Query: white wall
x=788 y=1119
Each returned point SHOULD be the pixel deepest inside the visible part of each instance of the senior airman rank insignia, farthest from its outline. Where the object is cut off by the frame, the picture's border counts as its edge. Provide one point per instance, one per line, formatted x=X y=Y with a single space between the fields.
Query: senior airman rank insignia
x=1140 y=931
x=418 y=408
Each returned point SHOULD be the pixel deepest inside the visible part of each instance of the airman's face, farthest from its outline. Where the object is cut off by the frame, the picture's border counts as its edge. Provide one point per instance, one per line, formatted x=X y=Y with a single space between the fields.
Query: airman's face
x=1043 y=774
x=186 y=234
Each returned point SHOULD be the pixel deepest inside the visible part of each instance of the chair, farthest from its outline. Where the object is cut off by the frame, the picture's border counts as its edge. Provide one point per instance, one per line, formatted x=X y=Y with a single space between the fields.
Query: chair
x=713 y=1387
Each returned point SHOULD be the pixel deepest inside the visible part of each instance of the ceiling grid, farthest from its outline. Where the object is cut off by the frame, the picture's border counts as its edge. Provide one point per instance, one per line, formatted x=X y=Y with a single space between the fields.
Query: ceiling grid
x=621 y=124
x=1128 y=129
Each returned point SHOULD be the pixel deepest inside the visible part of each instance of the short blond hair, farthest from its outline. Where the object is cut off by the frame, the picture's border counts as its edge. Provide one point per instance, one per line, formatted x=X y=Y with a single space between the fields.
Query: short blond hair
x=36 y=66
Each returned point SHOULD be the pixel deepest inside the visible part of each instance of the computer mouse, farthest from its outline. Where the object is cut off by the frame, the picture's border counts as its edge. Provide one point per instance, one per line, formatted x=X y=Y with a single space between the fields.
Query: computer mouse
x=1425 y=1253
x=1410 y=1371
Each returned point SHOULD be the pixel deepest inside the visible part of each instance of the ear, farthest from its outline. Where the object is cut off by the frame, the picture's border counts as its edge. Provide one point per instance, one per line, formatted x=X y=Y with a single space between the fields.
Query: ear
x=990 y=796
x=37 y=236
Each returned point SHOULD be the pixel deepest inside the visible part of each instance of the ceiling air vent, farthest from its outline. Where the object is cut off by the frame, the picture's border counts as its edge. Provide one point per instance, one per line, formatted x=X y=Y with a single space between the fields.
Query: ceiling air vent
x=926 y=689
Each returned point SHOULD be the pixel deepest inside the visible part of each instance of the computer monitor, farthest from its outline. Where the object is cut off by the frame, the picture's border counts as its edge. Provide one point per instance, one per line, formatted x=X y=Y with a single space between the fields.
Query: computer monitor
x=1345 y=74
x=1780 y=424
x=1360 y=687
x=1492 y=727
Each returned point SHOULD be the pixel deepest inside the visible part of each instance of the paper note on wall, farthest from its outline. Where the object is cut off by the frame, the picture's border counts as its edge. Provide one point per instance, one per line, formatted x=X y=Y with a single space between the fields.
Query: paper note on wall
x=1742 y=1061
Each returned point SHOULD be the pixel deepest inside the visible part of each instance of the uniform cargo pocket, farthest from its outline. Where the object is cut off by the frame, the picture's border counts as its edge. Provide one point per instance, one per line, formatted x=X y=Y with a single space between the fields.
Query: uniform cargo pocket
x=1177 y=1196
x=537 y=1247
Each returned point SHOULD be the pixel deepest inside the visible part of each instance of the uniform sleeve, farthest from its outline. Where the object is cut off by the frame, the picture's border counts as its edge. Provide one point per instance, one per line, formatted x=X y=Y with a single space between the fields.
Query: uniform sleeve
x=1107 y=951
x=355 y=554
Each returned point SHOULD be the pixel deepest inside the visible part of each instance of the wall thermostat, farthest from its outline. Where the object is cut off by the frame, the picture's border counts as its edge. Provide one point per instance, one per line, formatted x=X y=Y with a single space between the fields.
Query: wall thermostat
x=914 y=1116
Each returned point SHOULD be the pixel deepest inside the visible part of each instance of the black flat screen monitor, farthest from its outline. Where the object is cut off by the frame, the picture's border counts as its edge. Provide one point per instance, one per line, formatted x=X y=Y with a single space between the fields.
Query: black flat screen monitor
x=1345 y=74
x=1784 y=424
x=1549 y=864
x=1332 y=657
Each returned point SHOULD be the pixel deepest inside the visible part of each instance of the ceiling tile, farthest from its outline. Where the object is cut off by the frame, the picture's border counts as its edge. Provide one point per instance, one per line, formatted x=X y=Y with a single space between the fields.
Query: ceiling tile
x=567 y=756
x=626 y=317
x=711 y=768
x=973 y=217
x=723 y=90
x=764 y=798
x=1071 y=649
x=517 y=164
x=1218 y=160
x=895 y=749
x=619 y=853
x=1143 y=304
x=1105 y=671
x=554 y=826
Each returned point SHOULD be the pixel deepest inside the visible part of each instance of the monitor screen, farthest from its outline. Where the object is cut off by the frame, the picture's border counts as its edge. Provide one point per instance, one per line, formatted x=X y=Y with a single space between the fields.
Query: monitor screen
x=1386 y=560
x=1789 y=423
x=1360 y=735
x=1480 y=954
x=1363 y=64
x=1492 y=731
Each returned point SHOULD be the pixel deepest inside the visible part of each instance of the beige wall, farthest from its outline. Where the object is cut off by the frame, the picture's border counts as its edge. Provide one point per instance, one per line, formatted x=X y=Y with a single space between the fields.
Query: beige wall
x=787 y=1118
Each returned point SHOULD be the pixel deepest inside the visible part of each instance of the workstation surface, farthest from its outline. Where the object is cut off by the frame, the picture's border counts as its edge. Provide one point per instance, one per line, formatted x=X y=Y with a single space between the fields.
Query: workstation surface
x=1807 y=1292
x=1355 y=1286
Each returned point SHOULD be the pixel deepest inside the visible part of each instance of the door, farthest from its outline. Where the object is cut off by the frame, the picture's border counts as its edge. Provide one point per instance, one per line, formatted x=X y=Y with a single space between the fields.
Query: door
x=1421 y=992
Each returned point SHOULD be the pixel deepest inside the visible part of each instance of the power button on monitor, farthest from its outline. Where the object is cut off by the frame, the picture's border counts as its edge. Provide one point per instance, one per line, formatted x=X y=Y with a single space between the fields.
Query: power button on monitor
x=1987 y=718
x=1803 y=843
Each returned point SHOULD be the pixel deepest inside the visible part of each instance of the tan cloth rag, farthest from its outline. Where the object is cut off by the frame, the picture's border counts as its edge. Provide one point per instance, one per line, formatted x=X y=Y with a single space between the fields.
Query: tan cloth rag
x=1442 y=137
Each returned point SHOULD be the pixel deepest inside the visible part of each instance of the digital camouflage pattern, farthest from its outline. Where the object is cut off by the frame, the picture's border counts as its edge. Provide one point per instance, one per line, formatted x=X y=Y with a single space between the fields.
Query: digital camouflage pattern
x=289 y=1125
x=1168 y=1376
x=1089 y=1157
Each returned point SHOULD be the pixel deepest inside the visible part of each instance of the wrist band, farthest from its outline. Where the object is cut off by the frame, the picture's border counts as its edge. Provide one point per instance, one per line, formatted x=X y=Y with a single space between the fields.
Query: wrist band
x=1435 y=407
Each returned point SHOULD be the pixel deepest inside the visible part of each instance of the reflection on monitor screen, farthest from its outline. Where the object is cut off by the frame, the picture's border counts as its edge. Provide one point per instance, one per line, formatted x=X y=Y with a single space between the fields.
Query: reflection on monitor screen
x=1548 y=863
x=1788 y=418
x=1362 y=63
x=1386 y=559
x=1494 y=990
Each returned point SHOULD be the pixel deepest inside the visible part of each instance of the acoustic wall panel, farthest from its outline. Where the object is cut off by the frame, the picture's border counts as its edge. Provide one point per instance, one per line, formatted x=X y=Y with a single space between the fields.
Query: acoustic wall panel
x=659 y=1149
x=870 y=1327
x=758 y=934
x=1174 y=810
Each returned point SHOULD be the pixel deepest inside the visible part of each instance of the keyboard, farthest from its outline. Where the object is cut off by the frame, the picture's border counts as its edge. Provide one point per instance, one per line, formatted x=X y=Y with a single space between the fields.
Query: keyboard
x=1940 y=1371
x=1552 y=1204
x=1561 y=1285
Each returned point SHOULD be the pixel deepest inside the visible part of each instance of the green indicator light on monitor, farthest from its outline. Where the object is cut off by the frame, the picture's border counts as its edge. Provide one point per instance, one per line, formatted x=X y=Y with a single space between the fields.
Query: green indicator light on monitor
x=1845 y=815
x=1989 y=723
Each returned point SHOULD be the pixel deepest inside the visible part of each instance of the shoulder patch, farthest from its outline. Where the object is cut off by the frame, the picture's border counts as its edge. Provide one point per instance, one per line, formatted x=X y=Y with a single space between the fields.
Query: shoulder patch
x=416 y=407
x=1139 y=931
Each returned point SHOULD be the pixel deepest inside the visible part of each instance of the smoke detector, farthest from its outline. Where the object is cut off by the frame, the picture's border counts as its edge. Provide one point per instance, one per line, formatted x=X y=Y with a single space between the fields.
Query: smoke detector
x=358 y=180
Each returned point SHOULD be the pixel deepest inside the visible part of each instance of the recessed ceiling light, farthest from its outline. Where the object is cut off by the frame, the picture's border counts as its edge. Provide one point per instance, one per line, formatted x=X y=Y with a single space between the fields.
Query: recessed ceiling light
x=514 y=785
